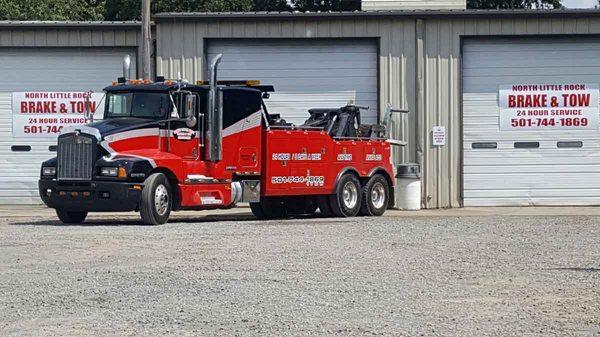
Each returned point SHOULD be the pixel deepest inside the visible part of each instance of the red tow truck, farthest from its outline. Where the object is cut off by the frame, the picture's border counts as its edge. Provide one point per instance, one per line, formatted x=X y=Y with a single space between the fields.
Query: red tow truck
x=171 y=145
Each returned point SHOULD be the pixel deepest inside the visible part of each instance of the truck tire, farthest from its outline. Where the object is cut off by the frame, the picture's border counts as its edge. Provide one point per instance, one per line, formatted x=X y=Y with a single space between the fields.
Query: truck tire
x=324 y=206
x=375 y=196
x=256 y=209
x=157 y=200
x=346 y=200
x=71 y=217
x=268 y=208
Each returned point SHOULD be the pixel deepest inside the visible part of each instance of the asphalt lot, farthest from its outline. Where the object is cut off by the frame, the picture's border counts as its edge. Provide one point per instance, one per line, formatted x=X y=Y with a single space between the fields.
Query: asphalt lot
x=433 y=273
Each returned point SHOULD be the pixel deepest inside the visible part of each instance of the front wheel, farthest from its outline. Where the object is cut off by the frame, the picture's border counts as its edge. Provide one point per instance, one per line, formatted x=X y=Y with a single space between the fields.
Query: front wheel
x=156 y=203
x=71 y=217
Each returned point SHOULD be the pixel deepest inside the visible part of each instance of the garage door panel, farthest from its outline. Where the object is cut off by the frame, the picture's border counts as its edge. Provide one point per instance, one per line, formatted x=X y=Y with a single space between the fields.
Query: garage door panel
x=44 y=69
x=313 y=69
x=530 y=182
x=532 y=168
x=482 y=84
x=531 y=60
x=539 y=72
x=506 y=175
x=512 y=156
x=536 y=43
x=361 y=84
x=344 y=59
x=550 y=201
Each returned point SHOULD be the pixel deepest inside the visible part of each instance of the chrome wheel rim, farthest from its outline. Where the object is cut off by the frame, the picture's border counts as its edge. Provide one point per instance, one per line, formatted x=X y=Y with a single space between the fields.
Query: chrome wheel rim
x=161 y=199
x=350 y=195
x=378 y=195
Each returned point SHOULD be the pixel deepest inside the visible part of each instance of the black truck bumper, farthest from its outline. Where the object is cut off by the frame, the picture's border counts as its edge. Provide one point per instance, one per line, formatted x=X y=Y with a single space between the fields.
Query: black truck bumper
x=95 y=196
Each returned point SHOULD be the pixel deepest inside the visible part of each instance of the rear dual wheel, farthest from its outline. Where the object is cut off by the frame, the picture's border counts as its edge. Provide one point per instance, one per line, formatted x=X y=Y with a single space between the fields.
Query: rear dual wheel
x=346 y=200
x=375 y=196
x=350 y=198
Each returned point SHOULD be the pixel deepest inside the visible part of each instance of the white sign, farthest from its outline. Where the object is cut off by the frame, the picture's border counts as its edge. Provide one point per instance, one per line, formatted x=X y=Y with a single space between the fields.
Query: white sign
x=570 y=106
x=438 y=133
x=44 y=114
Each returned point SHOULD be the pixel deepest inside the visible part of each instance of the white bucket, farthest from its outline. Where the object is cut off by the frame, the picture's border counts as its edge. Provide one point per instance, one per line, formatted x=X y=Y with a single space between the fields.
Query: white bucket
x=408 y=194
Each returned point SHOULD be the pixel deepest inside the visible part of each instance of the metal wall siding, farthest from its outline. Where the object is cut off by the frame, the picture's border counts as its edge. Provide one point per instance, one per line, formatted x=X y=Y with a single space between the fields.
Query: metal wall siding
x=69 y=38
x=442 y=167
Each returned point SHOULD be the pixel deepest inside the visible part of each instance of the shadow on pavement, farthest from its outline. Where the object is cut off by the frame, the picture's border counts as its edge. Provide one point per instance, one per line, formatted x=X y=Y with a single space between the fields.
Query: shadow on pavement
x=589 y=269
x=132 y=220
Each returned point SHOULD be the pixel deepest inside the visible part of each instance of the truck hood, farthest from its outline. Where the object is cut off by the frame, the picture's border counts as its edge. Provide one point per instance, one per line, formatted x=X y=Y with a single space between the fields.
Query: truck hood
x=107 y=127
x=116 y=125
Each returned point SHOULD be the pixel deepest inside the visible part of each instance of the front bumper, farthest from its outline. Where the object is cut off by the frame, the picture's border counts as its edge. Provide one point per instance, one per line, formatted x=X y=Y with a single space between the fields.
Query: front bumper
x=94 y=196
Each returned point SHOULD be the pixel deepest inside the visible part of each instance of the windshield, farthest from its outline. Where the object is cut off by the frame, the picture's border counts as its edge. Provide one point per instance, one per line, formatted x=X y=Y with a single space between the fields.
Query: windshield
x=137 y=104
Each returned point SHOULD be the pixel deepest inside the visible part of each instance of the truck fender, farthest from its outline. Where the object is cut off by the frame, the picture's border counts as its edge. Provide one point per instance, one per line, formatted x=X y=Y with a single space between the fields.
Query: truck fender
x=174 y=184
x=347 y=169
x=381 y=170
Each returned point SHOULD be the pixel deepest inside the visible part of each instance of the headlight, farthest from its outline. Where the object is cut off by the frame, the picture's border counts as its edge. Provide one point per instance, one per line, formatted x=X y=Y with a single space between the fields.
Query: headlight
x=119 y=172
x=109 y=171
x=49 y=171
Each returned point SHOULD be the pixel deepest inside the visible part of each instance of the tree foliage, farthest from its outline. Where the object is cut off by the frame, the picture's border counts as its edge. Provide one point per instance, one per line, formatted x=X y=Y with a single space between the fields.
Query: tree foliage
x=326 y=5
x=58 y=10
x=118 y=10
x=130 y=9
x=271 y=6
x=514 y=4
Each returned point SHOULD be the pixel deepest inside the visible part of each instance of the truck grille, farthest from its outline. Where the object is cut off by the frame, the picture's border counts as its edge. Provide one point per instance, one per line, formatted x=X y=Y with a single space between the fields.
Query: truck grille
x=75 y=156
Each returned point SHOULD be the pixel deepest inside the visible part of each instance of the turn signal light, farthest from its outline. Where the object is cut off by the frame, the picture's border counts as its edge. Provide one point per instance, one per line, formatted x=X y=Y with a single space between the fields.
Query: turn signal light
x=122 y=173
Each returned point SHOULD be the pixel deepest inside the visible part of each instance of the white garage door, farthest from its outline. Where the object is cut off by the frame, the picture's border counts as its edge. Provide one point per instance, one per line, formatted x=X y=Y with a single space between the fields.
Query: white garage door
x=306 y=73
x=42 y=70
x=531 y=158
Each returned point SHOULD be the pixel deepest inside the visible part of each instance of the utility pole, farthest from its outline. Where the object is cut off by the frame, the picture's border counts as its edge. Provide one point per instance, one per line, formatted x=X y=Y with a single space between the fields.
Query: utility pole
x=146 y=39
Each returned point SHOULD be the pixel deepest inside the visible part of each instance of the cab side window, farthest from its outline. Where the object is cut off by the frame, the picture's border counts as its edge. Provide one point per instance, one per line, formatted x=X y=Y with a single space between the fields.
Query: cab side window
x=239 y=103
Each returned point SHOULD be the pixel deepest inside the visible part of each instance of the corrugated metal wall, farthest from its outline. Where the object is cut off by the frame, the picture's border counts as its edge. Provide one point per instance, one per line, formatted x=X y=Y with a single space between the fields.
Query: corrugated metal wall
x=70 y=35
x=419 y=69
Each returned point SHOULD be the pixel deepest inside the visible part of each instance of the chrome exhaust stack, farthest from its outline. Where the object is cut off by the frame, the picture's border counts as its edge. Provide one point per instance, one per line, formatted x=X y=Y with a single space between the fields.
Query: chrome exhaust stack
x=126 y=67
x=215 y=115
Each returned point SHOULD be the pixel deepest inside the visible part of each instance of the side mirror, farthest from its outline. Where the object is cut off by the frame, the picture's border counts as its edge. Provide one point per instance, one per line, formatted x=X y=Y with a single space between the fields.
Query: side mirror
x=89 y=115
x=190 y=110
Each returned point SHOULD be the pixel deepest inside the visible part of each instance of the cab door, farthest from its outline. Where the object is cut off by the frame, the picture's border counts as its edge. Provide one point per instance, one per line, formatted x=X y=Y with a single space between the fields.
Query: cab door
x=184 y=138
x=242 y=132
